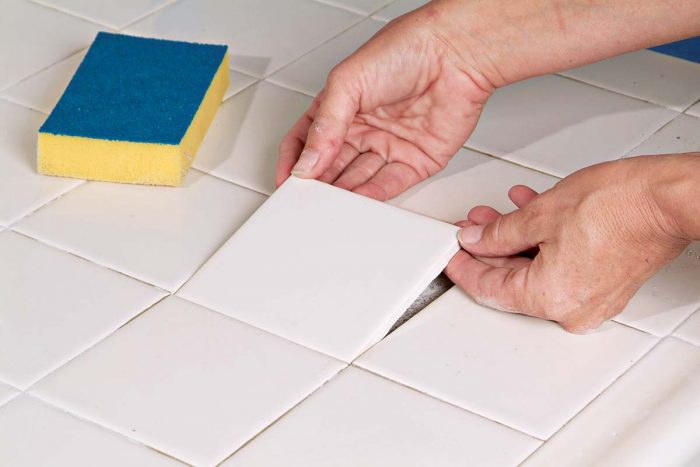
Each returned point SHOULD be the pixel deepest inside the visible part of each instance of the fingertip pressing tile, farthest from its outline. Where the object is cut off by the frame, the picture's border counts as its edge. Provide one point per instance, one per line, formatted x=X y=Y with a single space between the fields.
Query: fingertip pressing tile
x=324 y=267
x=7 y=393
x=34 y=434
x=650 y=416
x=362 y=419
x=187 y=381
x=362 y=7
x=690 y=329
x=681 y=135
x=243 y=141
x=111 y=14
x=398 y=8
x=524 y=372
x=160 y=235
x=558 y=125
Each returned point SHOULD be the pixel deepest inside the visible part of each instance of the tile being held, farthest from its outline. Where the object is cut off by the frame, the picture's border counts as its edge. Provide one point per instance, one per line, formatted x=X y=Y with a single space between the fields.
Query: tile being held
x=398 y=8
x=115 y=15
x=690 y=329
x=681 y=135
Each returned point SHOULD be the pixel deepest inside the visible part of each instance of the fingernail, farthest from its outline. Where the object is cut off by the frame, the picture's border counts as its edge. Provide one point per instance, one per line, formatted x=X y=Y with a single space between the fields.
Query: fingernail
x=472 y=234
x=306 y=163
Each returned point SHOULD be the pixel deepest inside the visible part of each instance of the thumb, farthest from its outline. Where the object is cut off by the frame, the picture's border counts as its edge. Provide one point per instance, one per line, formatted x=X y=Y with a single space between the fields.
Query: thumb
x=510 y=234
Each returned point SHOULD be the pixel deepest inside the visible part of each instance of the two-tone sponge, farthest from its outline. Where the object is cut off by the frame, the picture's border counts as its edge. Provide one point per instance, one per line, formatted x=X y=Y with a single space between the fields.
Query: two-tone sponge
x=136 y=111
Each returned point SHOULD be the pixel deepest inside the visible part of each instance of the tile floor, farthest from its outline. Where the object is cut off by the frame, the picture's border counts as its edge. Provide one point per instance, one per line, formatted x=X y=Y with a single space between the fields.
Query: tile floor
x=106 y=359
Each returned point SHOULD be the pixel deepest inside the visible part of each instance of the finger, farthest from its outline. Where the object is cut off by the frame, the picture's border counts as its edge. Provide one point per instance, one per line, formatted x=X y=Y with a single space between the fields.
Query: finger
x=345 y=157
x=391 y=180
x=520 y=195
x=510 y=234
x=513 y=261
x=290 y=148
x=483 y=215
x=364 y=167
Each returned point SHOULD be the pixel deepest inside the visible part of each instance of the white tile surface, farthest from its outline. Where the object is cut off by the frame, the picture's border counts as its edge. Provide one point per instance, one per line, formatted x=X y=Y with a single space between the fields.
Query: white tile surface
x=362 y=7
x=243 y=141
x=24 y=189
x=524 y=372
x=668 y=298
x=324 y=267
x=263 y=36
x=238 y=82
x=55 y=305
x=308 y=74
x=398 y=8
x=647 y=75
x=34 y=37
x=187 y=381
x=470 y=179
x=35 y=434
x=359 y=419
x=690 y=329
x=160 y=235
x=649 y=417
x=681 y=135
x=558 y=125
x=6 y=393
x=115 y=15
x=694 y=110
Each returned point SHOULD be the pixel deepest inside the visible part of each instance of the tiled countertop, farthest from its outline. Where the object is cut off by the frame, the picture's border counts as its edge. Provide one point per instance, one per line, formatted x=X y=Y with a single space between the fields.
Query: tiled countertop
x=104 y=362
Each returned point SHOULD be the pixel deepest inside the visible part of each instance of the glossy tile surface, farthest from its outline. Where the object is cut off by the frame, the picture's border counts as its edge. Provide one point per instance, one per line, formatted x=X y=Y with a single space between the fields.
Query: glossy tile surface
x=324 y=267
x=694 y=110
x=192 y=383
x=681 y=135
x=362 y=7
x=398 y=8
x=690 y=329
x=111 y=14
x=6 y=393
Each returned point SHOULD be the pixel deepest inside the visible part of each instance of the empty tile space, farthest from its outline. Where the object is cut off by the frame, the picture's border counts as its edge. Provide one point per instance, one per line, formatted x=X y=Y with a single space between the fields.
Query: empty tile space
x=35 y=37
x=647 y=75
x=526 y=373
x=690 y=329
x=575 y=125
x=6 y=393
x=398 y=8
x=55 y=305
x=160 y=235
x=263 y=36
x=111 y=14
x=35 y=434
x=650 y=416
x=362 y=419
x=187 y=381
x=681 y=135
x=308 y=74
x=243 y=141
x=324 y=267
x=362 y=7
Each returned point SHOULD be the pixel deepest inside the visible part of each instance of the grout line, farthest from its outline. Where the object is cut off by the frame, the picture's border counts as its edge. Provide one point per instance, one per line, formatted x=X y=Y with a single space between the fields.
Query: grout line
x=72 y=14
x=683 y=322
x=12 y=224
x=626 y=155
x=150 y=13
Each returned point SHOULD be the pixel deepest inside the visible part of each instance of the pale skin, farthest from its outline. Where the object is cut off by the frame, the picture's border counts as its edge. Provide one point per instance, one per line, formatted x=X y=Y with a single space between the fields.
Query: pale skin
x=395 y=112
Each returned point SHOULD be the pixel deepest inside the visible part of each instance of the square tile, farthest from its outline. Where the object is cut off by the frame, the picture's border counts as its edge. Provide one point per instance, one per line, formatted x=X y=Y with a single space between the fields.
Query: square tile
x=6 y=393
x=650 y=76
x=34 y=37
x=470 y=179
x=263 y=36
x=35 y=434
x=398 y=8
x=362 y=419
x=18 y=173
x=690 y=329
x=324 y=267
x=55 y=305
x=650 y=416
x=681 y=135
x=243 y=141
x=114 y=15
x=187 y=381
x=524 y=372
x=160 y=235
x=694 y=110
x=668 y=298
x=308 y=74
x=559 y=126
x=362 y=7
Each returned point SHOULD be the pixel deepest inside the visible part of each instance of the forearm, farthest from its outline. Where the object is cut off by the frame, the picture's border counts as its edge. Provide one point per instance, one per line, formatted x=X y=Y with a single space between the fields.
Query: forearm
x=675 y=185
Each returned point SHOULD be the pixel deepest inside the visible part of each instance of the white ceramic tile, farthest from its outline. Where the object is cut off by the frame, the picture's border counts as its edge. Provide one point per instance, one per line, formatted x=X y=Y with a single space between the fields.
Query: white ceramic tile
x=55 y=305
x=324 y=267
x=23 y=188
x=263 y=36
x=187 y=381
x=308 y=74
x=694 y=110
x=34 y=37
x=35 y=434
x=690 y=329
x=360 y=419
x=6 y=393
x=649 y=417
x=559 y=125
x=398 y=8
x=243 y=141
x=681 y=135
x=238 y=82
x=647 y=75
x=524 y=372
x=160 y=235
x=668 y=298
x=362 y=7
x=470 y=179
x=111 y=14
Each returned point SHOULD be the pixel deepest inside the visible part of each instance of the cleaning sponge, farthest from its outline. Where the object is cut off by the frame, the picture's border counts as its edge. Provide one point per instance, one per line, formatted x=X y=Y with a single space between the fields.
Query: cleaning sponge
x=136 y=111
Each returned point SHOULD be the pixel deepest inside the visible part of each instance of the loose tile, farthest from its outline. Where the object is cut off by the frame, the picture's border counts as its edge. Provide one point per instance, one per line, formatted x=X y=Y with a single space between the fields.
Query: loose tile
x=263 y=36
x=398 y=8
x=160 y=235
x=362 y=7
x=690 y=330
x=470 y=179
x=558 y=125
x=308 y=74
x=33 y=434
x=694 y=110
x=6 y=393
x=524 y=372
x=681 y=135
x=650 y=416
x=191 y=382
x=113 y=15
x=18 y=175
x=324 y=267
x=34 y=37
x=243 y=141
x=55 y=305
x=362 y=419
x=650 y=76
